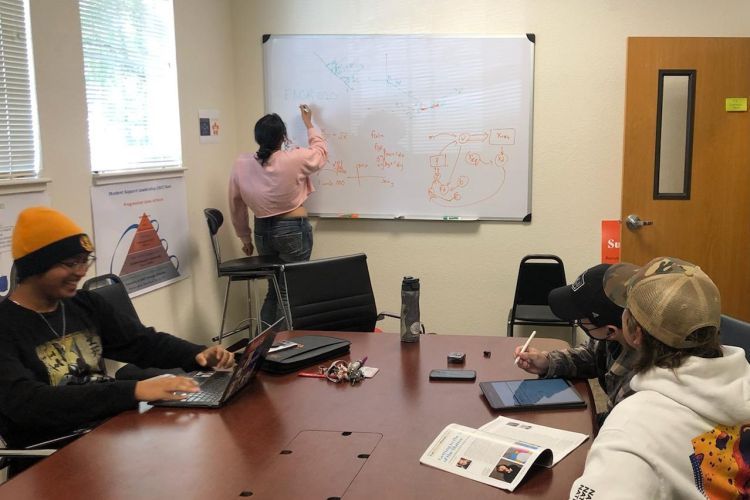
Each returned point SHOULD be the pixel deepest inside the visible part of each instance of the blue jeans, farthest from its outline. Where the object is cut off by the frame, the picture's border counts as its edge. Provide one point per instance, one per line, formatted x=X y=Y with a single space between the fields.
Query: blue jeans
x=291 y=240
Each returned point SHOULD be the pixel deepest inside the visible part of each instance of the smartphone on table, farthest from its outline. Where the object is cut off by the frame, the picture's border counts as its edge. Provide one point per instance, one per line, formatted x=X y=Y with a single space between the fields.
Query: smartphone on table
x=449 y=374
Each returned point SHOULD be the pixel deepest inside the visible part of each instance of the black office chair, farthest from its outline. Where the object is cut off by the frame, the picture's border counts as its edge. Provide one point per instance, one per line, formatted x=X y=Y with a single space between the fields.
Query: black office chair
x=111 y=288
x=246 y=269
x=537 y=276
x=735 y=332
x=8 y=454
x=333 y=294
x=31 y=454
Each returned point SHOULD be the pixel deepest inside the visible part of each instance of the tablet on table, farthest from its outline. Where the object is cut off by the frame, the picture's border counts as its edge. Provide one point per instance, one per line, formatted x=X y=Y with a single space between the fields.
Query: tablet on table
x=533 y=393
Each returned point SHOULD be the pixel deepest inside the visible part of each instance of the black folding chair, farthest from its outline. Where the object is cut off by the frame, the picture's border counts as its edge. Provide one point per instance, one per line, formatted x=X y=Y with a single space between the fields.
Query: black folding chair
x=537 y=276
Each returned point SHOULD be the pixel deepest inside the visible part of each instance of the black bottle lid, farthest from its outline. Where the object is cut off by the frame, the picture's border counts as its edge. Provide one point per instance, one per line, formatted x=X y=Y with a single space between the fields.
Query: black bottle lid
x=410 y=283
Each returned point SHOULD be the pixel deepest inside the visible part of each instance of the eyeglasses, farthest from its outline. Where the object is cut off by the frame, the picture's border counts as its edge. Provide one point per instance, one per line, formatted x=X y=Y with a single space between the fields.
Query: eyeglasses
x=589 y=329
x=80 y=263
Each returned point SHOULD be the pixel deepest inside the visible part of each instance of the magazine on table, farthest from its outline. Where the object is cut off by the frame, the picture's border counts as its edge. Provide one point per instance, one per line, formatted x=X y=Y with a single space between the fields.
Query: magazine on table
x=501 y=452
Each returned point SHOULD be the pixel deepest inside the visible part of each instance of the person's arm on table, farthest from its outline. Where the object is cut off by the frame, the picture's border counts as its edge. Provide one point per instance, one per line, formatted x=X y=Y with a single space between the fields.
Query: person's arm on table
x=574 y=362
x=129 y=341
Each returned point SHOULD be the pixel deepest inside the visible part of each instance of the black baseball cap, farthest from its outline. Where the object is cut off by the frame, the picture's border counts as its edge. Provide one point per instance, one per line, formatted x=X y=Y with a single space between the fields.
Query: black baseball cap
x=585 y=298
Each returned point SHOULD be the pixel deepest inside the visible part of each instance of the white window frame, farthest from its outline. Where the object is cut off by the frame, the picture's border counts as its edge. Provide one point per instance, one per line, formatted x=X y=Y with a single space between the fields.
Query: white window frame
x=131 y=88
x=20 y=158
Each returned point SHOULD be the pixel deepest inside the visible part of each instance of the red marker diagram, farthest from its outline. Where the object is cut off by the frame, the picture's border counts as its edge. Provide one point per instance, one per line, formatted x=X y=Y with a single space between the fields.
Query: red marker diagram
x=363 y=173
x=463 y=157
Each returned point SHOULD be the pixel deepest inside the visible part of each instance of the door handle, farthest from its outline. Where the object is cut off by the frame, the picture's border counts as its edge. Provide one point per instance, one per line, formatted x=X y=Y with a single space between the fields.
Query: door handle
x=634 y=222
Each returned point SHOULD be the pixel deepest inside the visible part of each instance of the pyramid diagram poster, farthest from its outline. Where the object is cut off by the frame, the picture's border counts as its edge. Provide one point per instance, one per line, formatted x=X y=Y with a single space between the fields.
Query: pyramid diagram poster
x=141 y=232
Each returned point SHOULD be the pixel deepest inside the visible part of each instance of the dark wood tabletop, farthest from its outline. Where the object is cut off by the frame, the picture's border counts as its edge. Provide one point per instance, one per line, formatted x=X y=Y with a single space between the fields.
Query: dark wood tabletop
x=289 y=437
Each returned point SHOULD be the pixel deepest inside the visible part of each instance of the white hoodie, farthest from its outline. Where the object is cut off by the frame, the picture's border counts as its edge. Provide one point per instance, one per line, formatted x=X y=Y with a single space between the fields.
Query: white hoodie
x=684 y=434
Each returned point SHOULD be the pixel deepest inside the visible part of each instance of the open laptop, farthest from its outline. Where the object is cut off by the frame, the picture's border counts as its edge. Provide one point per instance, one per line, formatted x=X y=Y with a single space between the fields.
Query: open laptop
x=217 y=387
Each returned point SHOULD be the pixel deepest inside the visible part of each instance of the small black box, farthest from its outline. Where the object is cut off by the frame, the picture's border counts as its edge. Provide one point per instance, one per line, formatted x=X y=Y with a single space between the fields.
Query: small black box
x=456 y=357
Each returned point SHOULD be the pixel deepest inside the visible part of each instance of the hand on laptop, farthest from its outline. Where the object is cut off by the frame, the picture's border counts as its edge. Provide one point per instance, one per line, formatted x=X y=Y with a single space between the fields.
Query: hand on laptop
x=532 y=360
x=215 y=357
x=164 y=387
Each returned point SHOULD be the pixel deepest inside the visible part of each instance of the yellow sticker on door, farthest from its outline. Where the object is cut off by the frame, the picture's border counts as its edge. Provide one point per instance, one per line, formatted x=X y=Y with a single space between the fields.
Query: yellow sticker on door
x=736 y=104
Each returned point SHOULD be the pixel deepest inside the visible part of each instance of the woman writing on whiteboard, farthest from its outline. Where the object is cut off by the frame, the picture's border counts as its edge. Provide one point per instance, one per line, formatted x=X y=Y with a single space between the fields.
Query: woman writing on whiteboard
x=274 y=184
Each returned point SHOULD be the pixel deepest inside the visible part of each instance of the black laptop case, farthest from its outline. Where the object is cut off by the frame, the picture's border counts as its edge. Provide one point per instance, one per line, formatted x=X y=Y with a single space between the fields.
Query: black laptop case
x=312 y=349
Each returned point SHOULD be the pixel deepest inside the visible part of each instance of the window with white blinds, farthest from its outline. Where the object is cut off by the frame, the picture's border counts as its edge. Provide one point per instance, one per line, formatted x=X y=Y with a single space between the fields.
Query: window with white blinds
x=131 y=84
x=19 y=147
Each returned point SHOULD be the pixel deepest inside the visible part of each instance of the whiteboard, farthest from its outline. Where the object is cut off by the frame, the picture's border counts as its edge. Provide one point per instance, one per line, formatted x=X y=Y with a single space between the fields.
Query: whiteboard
x=422 y=127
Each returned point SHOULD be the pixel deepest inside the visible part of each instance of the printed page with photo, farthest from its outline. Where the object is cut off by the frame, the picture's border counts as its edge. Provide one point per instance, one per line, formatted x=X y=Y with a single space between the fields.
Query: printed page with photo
x=560 y=442
x=501 y=452
x=484 y=457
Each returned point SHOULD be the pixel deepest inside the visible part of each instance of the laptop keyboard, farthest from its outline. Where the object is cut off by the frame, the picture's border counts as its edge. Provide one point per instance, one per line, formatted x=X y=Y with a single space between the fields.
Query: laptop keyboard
x=203 y=397
x=211 y=391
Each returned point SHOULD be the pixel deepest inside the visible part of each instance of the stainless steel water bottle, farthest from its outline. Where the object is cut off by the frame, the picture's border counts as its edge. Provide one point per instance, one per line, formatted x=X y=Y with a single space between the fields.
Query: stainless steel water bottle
x=411 y=327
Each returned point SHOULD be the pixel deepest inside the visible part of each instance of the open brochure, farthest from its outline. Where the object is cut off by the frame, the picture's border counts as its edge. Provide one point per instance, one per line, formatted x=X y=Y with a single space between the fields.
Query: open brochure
x=501 y=452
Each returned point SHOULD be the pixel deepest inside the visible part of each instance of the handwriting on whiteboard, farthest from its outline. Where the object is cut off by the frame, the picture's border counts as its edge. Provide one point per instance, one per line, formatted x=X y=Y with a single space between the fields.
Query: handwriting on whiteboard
x=461 y=156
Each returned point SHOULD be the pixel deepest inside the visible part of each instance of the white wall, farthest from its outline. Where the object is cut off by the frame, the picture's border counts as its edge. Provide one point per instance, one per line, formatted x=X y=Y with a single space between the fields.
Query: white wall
x=467 y=270
x=190 y=308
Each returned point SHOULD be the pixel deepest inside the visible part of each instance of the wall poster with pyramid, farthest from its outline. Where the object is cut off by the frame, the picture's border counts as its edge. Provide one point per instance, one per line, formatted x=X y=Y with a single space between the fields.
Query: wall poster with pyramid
x=141 y=232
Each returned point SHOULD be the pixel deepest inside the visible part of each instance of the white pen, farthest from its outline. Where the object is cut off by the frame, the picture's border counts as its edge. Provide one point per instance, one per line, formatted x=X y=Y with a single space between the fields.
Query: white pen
x=523 y=349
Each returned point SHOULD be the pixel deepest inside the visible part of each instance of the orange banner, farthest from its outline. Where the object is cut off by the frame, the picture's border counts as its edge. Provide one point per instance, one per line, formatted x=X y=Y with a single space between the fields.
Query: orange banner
x=610 y=241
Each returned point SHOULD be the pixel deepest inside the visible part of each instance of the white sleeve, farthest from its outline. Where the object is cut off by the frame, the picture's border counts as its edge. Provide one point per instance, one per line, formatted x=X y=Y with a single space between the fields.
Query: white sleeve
x=615 y=470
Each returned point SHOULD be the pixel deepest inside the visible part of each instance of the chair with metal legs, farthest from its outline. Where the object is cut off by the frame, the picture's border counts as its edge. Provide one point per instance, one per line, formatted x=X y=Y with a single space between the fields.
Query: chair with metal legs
x=32 y=453
x=537 y=276
x=247 y=269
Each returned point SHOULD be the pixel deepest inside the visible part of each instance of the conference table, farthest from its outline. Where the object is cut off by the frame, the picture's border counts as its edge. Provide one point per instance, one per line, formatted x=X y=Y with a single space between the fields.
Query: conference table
x=291 y=437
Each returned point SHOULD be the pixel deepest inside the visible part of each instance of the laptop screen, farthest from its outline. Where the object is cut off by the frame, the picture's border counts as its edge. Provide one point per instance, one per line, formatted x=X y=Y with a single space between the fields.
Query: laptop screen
x=252 y=358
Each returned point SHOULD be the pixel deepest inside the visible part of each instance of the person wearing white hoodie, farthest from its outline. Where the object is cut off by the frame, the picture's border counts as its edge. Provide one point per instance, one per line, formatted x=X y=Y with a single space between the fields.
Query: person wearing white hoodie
x=685 y=433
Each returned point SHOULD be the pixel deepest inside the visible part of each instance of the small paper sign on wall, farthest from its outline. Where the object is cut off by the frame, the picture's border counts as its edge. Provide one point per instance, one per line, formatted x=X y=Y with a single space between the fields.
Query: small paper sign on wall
x=610 y=241
x=208 y=125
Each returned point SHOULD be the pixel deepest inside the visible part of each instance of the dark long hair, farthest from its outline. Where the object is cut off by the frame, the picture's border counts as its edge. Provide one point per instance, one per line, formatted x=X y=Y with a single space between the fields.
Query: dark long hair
x=654 y=352
x=270 y=133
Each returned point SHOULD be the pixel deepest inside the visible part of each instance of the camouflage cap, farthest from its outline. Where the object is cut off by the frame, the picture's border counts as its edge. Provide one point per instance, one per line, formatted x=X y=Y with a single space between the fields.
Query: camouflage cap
x=670 y=298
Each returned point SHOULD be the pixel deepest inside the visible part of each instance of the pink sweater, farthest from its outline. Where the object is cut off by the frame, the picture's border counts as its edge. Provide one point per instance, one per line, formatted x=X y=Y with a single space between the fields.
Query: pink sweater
x=280 y=186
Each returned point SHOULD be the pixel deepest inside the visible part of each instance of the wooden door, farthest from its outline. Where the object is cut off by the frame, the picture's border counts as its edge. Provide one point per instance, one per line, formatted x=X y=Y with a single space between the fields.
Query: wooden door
x=712 y=227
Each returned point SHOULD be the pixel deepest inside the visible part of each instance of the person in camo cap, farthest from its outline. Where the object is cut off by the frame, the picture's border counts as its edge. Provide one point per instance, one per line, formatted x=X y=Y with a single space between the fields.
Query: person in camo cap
x=604 y=356
x=685 y=432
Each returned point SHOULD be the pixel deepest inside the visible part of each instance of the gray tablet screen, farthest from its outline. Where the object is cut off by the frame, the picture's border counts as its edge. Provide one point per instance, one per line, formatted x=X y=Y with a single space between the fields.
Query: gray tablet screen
x=535 y=392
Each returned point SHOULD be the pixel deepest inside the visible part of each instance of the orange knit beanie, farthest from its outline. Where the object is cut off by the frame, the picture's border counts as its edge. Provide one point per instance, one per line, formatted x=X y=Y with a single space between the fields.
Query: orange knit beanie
x=43 y=237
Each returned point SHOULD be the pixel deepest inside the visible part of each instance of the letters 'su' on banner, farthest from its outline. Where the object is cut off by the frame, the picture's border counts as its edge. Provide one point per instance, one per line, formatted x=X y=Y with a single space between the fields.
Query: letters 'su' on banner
x=610 y=241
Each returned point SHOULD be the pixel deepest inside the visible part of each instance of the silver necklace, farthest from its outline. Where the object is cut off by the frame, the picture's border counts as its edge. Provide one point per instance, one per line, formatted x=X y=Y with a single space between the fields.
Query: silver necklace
x=62 y=307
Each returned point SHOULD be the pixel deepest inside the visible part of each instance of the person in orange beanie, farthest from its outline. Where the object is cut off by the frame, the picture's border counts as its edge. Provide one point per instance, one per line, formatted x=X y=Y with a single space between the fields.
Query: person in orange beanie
x=54 y=338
